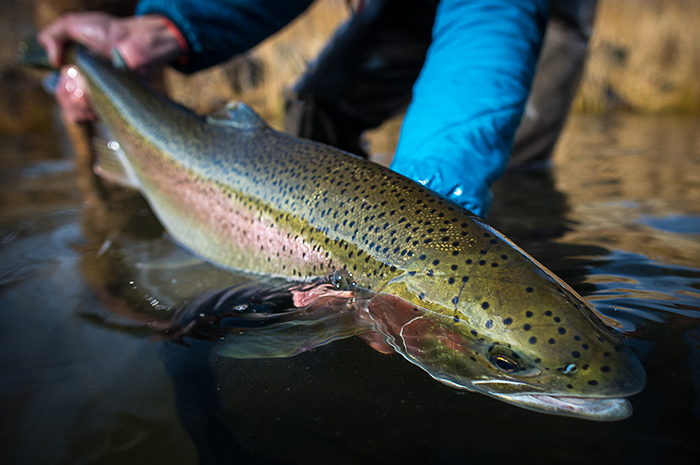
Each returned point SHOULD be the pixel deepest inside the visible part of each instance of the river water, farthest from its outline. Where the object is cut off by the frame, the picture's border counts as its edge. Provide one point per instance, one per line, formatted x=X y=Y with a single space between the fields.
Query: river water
x=617 y=216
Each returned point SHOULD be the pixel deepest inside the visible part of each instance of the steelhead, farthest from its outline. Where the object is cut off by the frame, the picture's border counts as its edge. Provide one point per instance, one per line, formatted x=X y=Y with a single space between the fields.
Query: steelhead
x=449 y=293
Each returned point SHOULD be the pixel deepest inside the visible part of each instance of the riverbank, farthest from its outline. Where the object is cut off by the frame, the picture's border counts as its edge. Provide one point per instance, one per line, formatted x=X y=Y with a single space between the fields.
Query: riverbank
x=644 y=57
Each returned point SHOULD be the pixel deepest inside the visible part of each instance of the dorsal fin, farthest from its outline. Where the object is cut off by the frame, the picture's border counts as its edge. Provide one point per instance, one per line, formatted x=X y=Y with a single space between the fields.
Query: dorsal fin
x=237 y=115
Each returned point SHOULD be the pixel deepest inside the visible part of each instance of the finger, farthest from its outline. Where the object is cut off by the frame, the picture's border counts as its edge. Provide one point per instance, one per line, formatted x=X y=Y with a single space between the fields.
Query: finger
x=54 y=38
x=94 y=30
x=91 y=29
x=72 y=96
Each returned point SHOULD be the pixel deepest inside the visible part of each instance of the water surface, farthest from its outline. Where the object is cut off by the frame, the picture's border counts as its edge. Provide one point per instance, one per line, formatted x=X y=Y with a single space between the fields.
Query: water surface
x=82 y=381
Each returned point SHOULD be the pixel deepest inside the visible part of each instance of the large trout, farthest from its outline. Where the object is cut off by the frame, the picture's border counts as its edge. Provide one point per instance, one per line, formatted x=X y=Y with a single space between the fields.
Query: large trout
x=449 y=293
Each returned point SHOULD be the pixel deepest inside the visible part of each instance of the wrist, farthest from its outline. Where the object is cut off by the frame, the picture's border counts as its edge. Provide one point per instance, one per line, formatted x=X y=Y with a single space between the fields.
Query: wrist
x=184 y=49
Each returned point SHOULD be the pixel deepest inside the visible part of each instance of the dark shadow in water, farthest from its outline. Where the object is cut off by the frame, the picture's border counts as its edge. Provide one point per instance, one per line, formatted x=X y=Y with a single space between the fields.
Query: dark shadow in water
x=199 y=403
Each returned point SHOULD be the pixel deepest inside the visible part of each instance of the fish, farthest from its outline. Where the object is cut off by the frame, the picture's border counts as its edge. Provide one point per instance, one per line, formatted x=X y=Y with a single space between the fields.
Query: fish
x=443 y=288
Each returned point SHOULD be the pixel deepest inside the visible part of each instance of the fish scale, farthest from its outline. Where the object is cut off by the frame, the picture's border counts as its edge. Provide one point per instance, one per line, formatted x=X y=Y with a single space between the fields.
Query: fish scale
x=451 y=294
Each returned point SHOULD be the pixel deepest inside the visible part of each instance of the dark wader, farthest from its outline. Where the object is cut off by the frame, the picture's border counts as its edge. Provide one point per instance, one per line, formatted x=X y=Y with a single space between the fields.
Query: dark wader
x=365 y=74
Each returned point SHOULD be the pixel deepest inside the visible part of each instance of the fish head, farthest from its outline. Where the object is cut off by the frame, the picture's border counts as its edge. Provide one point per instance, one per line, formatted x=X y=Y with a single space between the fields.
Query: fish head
x=514 y=332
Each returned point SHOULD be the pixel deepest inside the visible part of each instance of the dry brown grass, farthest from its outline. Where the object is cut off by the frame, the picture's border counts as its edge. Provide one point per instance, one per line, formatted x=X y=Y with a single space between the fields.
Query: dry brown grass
x=644 y=56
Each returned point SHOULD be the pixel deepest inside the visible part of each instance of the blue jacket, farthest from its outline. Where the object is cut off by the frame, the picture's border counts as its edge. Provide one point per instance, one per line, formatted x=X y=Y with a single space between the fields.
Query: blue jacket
x=467 y=103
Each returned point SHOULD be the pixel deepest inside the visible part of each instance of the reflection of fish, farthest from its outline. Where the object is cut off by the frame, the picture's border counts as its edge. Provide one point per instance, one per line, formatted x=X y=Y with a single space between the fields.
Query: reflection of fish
x=448 y=292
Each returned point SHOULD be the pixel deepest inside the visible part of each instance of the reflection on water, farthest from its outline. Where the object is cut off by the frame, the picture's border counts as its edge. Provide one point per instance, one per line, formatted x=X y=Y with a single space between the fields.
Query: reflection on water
x=83 y=379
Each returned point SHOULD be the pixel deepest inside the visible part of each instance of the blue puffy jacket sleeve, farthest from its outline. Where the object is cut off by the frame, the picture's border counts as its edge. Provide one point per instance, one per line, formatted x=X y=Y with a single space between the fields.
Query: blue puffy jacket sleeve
x=218 y=30
x=468 y=100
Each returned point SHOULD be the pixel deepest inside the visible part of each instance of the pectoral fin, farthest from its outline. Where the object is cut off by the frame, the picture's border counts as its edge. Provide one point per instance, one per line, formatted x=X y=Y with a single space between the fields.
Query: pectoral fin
x=272 y=318
x=112 y=163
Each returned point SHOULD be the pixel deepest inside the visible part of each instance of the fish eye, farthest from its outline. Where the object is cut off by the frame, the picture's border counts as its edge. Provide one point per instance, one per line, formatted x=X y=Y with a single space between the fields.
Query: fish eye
x=505 y=364
x=570 y=369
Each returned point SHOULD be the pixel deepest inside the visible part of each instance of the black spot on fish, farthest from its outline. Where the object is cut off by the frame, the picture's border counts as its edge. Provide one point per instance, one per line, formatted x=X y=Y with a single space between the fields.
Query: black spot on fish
x=422 y=257
x=593 y=382
x=507 y=321
x=527 y=327
x=532 y=340
x=606 y=354
x=484 y=305
x=576 y=354
x=577 y=338
x=548 y=313
x=605 y=368
x=529 y=289
x=436 y=262
x=562 y=331
x=455 y=300
x=421 y=296
x=474 y=333
x=489 y=324
x=465 y=279
x=451 y=280
x=557 y=319
x=528 y=314
x=584 y=346
x=552 y=341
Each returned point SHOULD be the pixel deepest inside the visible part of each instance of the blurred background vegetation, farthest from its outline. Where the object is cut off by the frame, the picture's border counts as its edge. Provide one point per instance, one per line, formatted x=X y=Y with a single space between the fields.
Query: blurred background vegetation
x=644 y=57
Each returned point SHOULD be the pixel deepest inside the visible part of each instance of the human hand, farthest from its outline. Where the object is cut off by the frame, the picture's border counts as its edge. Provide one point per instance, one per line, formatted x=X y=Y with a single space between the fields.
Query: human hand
x=145 y=43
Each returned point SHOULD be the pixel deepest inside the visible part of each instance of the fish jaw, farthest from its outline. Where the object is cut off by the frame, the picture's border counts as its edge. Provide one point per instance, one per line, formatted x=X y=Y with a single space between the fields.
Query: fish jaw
x=591 y=408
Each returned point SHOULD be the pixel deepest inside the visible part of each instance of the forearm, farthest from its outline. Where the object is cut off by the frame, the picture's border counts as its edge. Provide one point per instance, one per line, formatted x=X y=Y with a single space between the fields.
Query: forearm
x=467 y=103
x=218 y=30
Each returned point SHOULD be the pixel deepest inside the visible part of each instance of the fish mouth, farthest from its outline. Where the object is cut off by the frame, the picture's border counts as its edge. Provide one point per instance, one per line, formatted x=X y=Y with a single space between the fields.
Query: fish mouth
x=590 y=408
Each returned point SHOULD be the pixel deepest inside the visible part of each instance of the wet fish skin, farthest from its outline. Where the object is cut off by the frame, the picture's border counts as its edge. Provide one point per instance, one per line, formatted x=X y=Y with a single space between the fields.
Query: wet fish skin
x=453 y=295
